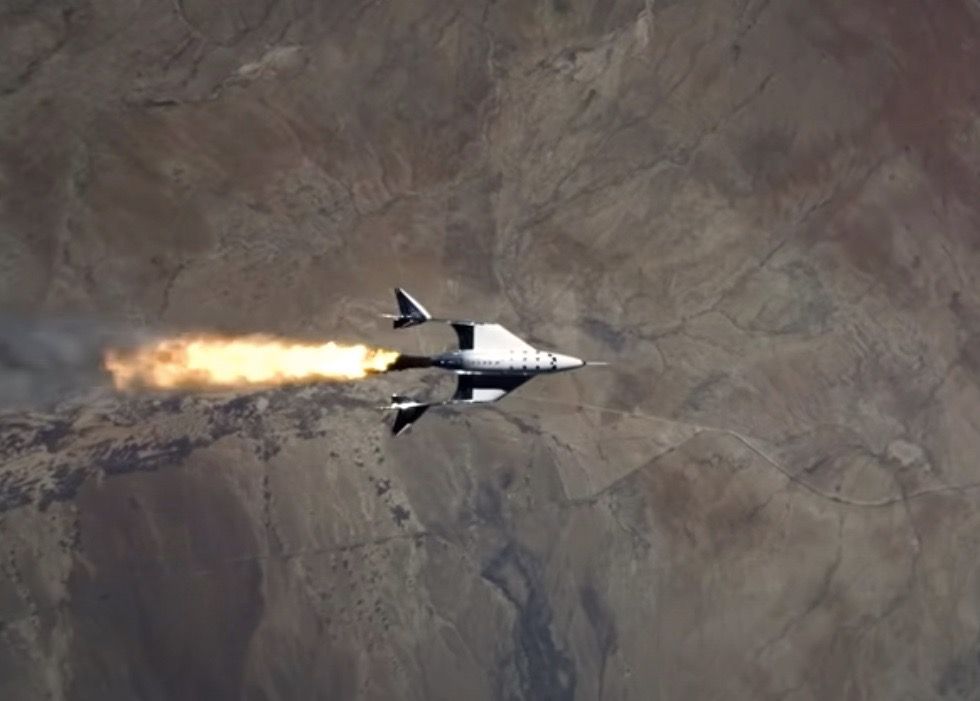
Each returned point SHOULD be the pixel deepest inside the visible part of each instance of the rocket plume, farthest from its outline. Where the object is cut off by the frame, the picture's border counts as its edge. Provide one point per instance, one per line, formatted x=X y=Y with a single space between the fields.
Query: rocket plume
x=202 y=361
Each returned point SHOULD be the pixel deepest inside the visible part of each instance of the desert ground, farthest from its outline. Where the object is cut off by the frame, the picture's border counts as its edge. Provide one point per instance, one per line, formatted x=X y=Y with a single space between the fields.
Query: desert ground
x=765 y=215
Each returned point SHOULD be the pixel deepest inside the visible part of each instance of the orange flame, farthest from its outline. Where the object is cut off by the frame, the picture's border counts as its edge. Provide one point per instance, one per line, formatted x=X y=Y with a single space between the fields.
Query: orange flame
x=205 y=361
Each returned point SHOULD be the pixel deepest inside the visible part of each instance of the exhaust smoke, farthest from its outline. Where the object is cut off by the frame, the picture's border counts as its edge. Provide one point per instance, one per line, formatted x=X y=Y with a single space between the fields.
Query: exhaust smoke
x=44 y=362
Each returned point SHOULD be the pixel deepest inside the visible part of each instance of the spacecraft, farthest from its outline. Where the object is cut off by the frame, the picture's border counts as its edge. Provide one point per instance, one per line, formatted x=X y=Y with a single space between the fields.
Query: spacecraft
x=489 y=363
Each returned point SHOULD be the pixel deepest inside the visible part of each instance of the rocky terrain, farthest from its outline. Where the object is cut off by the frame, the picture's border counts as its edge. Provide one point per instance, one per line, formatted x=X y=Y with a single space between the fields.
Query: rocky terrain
x=765 y=214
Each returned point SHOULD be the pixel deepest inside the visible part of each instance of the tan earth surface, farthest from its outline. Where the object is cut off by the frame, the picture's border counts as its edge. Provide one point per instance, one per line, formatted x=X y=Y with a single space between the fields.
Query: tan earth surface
x=765 y=214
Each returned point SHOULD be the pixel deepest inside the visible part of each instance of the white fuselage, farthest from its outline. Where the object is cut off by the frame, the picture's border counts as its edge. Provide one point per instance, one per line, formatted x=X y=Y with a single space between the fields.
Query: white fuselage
x=506 y=362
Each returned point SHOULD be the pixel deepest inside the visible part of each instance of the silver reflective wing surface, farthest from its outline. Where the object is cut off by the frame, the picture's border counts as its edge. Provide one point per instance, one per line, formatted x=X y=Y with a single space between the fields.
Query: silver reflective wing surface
x=477 y=336
x=486 y=388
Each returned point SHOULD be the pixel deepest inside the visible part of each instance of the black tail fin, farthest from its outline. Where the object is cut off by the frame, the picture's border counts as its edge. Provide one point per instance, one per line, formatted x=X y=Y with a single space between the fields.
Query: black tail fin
x=410 y=312
x=406 y=417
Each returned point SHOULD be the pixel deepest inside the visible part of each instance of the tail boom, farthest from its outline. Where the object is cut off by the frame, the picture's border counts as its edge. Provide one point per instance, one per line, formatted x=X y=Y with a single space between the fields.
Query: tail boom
x=407 y=416
x=410 y=311
x=409 y=411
